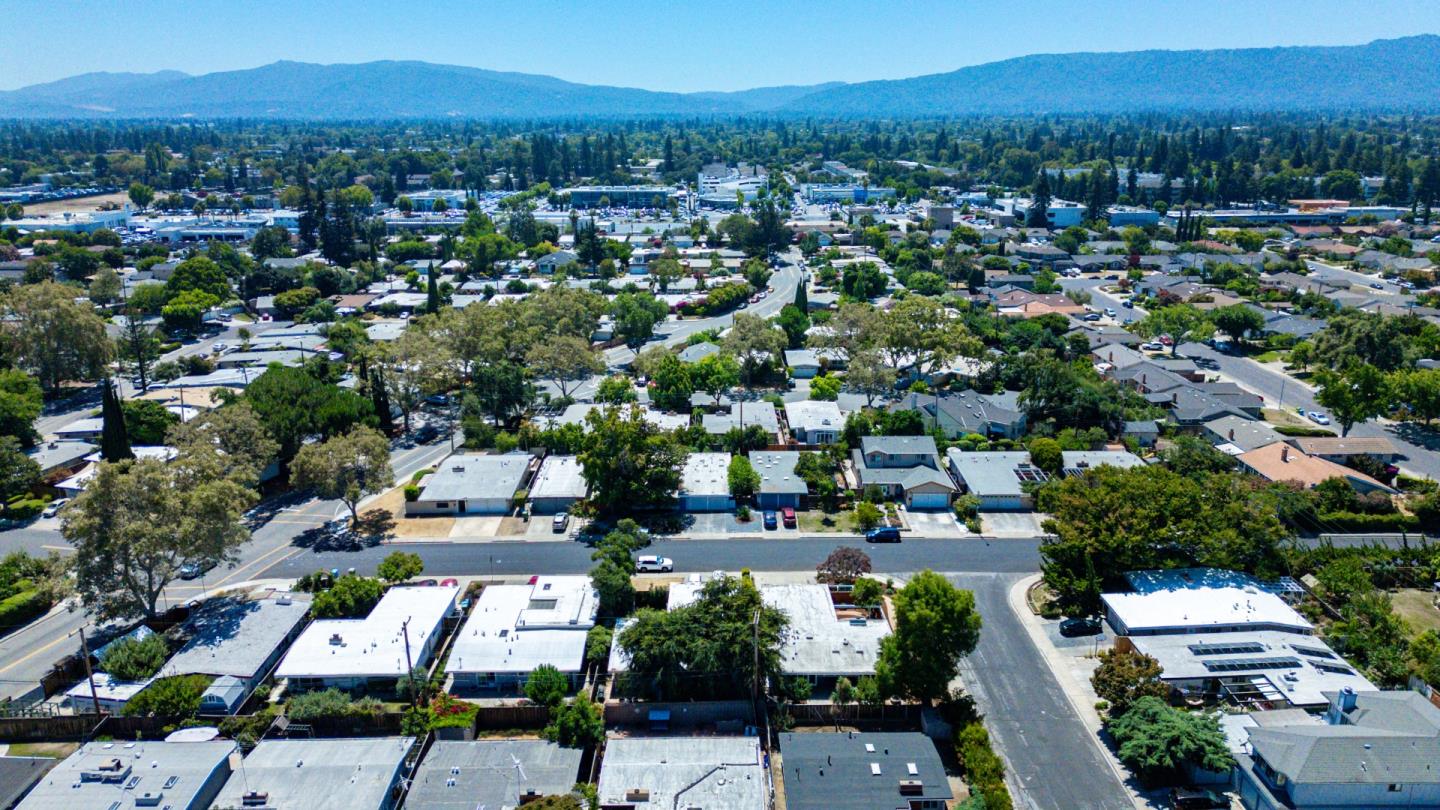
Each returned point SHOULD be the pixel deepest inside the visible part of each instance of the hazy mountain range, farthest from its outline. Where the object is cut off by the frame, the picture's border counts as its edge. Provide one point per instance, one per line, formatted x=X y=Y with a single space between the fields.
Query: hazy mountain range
x=1384 y=74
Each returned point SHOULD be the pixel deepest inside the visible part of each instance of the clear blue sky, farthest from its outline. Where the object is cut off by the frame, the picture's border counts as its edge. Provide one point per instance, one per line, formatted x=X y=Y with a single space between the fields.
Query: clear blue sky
x=678 y=45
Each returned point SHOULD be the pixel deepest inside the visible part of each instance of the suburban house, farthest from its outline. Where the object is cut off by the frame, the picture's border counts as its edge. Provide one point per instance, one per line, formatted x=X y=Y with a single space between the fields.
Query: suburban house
x=814 y=421
x=705 y=483
x=1078 y=462
x=551 y=262
x=398 y=635
x=1235 y=434
x=863 y=771
x=807 y=363
x=516 y=628
x=558 y=485
x=698 y=352
x=743 y=415
x=968 y=412
x=1199 y=601
x=716 y=773
x=823 y=642
x=1145 y=432
x=779 y=485
x=996 y=477
x=182 y=776
x=472 y=484
x=464 y=775
x=238 y=642
x=906 y=467
x=1281 y=462
x=1372 y=750
x=1339 y=449
x=319 y=774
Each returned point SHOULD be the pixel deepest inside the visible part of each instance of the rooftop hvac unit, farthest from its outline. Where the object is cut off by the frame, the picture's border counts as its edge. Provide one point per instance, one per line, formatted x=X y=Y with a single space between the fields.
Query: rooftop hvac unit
x=911 y=787
x=637 y=795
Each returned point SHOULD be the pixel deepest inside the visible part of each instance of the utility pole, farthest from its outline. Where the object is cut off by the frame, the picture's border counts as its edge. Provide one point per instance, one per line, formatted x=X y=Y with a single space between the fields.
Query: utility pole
x=89 y=674
x=409 y=664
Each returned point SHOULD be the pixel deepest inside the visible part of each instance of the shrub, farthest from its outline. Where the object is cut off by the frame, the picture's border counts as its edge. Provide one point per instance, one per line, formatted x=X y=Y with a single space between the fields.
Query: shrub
x=451 y=712
x=867 y=592
x=1360 y=522
x=576 y=724
x=984 y=770
x=546 y=686
x=21 y=608
x=170 y=697
x=867 y=515
x=597 y=644
x=329 y=704
x=131 y=659
x=412 y=493
x=351 y=596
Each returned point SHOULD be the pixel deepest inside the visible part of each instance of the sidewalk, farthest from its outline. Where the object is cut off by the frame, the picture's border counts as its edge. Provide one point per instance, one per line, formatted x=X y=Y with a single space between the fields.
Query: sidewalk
x=1073 y=675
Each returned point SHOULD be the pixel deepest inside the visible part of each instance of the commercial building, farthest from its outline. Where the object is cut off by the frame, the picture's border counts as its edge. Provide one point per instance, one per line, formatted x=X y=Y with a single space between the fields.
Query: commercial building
x=1122 y=216
x=823 y=642
x=236 y=638
x=705 y=483
x=620 y=196
x=863 y=771
x=470 y=484
x=1060 y=215
x=558 y=485
x=353 y=653
x=494 y=774
x=844 y=193
x=814 y=421
x=515 y=628
x=996 y=477
x=779 y=485
x=332 y=774
x=1373 y=750
x=1199 y=600
x=714 y=773
x=181 y=776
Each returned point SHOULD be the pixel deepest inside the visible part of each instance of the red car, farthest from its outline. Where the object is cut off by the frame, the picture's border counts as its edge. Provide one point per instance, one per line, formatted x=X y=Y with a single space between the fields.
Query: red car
x=787 y=516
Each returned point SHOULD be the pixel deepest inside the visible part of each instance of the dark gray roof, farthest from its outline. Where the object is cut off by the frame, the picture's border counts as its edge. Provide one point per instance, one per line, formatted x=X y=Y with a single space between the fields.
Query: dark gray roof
x=830 y=771
x=488 y=774
x=899 y=445
x=1390 y=737
x=18 y=774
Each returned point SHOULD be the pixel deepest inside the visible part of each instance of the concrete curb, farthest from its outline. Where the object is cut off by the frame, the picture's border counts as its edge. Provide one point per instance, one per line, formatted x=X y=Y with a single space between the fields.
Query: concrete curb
x=1074 y=692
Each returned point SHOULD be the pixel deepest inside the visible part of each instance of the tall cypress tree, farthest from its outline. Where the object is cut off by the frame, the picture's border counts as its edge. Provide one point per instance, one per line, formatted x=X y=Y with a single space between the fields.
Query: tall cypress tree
x=802 y=298
x=432 y=291
x=114 y=438
x=380 y=398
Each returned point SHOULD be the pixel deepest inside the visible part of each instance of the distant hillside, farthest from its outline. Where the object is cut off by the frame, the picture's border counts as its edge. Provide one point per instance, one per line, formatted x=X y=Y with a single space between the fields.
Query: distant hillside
x=1397 y=73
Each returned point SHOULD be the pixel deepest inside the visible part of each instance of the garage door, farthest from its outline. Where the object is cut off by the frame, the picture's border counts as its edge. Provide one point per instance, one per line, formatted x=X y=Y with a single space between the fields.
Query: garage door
x=1001 y=503
x=929 y=500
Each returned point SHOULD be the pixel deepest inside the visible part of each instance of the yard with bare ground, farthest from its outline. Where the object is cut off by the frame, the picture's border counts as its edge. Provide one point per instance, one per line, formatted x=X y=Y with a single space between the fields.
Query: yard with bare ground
x=1418 y=609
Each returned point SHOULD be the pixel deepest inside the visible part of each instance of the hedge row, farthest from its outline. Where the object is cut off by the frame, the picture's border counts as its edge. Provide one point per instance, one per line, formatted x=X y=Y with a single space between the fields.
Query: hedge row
x=984 y=770
x=1361 y=522
x=22 y=608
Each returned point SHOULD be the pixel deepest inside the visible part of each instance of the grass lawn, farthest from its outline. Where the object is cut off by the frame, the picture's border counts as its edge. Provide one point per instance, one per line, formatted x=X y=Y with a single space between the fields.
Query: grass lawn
x=55 y=750
x=816 y=521
x=1418 y=609
x=1276 y=416
x=1268 y=357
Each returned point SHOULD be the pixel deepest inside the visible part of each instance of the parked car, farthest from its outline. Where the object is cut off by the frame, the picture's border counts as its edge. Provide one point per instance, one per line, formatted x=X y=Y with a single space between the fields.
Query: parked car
x=1080 y=626
x=1109 y=312
x=192 y=570
x=560 y=523
x=1318 y=418
x=787 y=516
x=1153 y=346
x=220 y=348
x=426 y=434
x=770 y=521
x=884 y=534
x=1128 y=304
x=1091 y=316
x=54 y=508
x=651 y=562
x=1207 y=363
x=1197 y=799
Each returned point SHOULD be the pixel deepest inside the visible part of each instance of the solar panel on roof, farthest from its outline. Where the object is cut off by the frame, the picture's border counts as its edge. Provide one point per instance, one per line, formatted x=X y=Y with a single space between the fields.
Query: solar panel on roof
x=1243 y=664
x=1233 y=648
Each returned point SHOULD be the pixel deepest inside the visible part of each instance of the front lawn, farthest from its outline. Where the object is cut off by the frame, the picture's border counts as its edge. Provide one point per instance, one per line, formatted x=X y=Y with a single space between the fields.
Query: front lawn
x=1418 y=609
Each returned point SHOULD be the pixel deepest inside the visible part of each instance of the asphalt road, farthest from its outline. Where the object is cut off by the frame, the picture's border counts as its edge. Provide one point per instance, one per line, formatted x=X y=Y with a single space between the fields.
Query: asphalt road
x=1052 y=754
x=1280 y=390
x=1330 y=272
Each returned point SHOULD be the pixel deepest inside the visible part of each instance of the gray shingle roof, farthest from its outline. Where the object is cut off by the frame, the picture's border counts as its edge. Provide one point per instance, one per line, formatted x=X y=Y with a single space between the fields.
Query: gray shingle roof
x=830 y=771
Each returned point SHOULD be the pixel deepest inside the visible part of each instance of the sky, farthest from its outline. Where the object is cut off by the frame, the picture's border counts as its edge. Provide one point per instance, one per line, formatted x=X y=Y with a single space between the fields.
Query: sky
x=677 y=45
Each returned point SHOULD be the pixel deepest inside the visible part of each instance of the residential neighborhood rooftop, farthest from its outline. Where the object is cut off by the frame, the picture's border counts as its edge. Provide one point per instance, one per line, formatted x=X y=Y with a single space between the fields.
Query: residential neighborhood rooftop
x=373 y=646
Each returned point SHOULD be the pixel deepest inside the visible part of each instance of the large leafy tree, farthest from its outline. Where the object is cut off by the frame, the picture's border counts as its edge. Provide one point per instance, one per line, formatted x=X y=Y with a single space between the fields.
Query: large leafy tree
x=1358 y=393
x=21 y=401
x=18 y=472
x=754 y=342
x=936 y=624
x=1124 y=677
x=636 y=315
x=139 y=521
x=716 y=375
x=295 y=406
x=240 y=445
x=198 y=274
x=45 y=332
x=1114 y=520
x=1158 y=741
x=628 y=462
x=1372 y=635
x=565 y=360
x=346 y=467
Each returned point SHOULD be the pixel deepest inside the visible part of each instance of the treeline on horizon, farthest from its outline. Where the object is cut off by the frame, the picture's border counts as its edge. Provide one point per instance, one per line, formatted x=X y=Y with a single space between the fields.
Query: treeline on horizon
x=1216 y=158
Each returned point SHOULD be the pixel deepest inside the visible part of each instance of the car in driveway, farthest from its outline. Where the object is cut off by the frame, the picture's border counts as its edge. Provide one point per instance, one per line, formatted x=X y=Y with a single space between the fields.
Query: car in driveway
x=770 y=521
x=653 y=562
x=787 y=517
x=1091 y=316
x=1187 y=798
x=54 y=508
x=1153 y=346
x=884 y=534
x=560 y=523
x=1318 y=418
x=1080 y=626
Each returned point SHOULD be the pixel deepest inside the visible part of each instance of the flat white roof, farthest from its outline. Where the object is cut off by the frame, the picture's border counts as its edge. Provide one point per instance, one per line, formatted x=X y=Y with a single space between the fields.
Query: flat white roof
x=1301 y=668
x=373 y=646
x=515 y=628
x=559 y=477
x=320 y=774
x=100 y=774
x=817 y=642
x=1193 y=600
x=706 y=474
x=716 y=773
x=814 y=415
x=106 y=689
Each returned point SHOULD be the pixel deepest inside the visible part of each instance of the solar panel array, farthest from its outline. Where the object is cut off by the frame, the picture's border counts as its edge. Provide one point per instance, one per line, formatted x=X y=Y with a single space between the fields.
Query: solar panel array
x=1242 y=664
x=1232 y=648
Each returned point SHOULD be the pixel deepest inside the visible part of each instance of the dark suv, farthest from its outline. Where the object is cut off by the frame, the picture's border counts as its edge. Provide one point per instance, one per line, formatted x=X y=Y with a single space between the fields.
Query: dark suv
x=885 y=534
x=1196 y=799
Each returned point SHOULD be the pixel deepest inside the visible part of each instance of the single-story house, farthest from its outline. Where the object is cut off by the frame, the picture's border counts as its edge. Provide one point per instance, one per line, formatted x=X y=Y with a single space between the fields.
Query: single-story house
x=906 y=467
x=814 y=421
x=996 y=477
x=472 y=484
x=716 y=773
x=1078 y=462
x=705 y=483
x=464 y=775
x=779 y=485
x=516 y=628
x=968 y=412
x=744 y=415
x=1340 y=448
x=1281 y=462
x=807 y=363
x=238 y=639
x=698 y=352
x=558 y=485
x=319 y=774
x=178 y=775
x=1239 y=434
x=1197 y=601
x=820 y=644
x=1145 y=432
x=863 y=771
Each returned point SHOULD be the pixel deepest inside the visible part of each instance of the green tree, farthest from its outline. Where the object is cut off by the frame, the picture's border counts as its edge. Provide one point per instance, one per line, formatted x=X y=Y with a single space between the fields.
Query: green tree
x=19 y=474
x=1124 y=677
x=597 y=644
x=1419 y=389
x=135 y=659
x=577 y=724
x=295 y=407
x=147 y=422
x=743 y=480
x=177 y=697
x=636 y=315
x=142 y=195
x=565 y=360
x=672 y=383
x=198 y=274
x=936 y=624
x=867 y=516
x=20 y=404
x=546 y=687
x=1158 y=741
x=794 y=322
x=629 y=463
x=114 y=434
x=617 y=592
x=350 y=597
x=615 y=390
x=138 y=522
x=231 y=437
x=868 y=374
x=46 y=333
x=1374 y=637
x=1238 y=321
x=105 y=286
x=716 y=375
x=1358 y=393
x=754 y=342
x=825 y=388
x=1046 y=454
x=399 y=566
x=346 y=467
x=186 y=311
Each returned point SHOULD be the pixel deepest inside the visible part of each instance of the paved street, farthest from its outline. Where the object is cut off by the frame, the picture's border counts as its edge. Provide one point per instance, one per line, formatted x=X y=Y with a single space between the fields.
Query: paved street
x=1052 y=755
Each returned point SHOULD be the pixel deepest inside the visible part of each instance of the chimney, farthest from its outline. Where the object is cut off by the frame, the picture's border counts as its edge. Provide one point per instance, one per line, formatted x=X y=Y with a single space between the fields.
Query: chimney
x=1231 y=434
x=1285 y=454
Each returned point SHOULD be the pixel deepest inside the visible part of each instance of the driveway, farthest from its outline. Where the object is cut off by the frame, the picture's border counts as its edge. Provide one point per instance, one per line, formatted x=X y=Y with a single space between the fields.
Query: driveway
x=1052 y=756
x=935 y=524
x=1012 y=524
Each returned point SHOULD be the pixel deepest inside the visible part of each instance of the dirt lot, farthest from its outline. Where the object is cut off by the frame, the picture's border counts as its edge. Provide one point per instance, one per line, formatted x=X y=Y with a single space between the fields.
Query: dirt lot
x=394 y=503
x=76 y=204
x=1418 y=608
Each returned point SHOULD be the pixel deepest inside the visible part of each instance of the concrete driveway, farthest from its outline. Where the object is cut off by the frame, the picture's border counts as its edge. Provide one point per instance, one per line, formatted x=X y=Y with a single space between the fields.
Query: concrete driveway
x=1012 y=524
x=935 y=524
